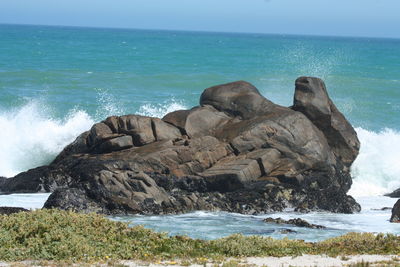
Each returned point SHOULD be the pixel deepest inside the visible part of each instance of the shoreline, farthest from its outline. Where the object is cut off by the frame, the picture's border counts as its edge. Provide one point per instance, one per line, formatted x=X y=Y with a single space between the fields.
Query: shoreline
x=301 y=261
x=65 y=236
x=371 y=219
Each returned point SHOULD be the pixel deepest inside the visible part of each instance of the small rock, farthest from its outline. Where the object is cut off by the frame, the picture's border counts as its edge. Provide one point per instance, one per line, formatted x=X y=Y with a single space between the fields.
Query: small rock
x=11 y=210
x=297 y=222
x=384 y=208
x=287 y=231
x=396 y=213
x=394 y=194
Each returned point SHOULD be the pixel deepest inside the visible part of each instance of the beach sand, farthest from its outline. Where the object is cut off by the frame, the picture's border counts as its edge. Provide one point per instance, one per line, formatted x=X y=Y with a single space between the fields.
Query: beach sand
x=304 y=261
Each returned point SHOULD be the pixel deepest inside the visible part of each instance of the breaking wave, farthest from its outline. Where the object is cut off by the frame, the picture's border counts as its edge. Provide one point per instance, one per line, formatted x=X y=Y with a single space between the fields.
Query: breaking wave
x=376 y=170
x=31 y=137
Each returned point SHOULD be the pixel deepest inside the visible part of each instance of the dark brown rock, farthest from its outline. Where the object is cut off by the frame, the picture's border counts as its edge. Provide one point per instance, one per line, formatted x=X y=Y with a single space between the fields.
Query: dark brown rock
x=237 y=152
x=138 y=127
x=395 y=218
x=177 y=118
x=80 y=145
x=98 y=134
x=115 y=144
x=237 y=99
x=232 y=174
x=11 y=210
x=394 y=194
x=287 y=231
x=164 y=131
x=266 y=158
x=2 y=180
x=296 y=222
x=199 y=121
x=34 y=180
x=72 y=199
x=384 y=208
x=311 y=98
x=287 y=131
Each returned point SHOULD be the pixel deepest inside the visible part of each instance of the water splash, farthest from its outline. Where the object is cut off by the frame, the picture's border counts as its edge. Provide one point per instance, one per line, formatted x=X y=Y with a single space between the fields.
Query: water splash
x=377 y=168
x=160 y=110
x=308 y=60
x=30 y=137
x=107 y=105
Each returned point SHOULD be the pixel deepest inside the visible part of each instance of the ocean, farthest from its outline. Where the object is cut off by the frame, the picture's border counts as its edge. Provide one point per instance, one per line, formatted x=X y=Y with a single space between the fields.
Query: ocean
x=55 y=82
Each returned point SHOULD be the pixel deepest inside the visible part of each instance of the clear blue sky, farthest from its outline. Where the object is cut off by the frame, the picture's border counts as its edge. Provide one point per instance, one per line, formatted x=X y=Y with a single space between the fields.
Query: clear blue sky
x=376 y=18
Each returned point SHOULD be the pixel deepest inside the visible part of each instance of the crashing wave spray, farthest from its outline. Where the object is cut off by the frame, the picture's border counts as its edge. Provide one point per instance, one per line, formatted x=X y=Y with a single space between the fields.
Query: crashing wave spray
x=31 y=138
x=107 y=105
x=376 y=170
x=160 y=110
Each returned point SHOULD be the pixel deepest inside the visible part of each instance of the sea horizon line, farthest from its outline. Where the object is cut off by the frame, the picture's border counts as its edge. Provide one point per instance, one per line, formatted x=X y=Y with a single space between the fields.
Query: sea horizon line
x=201 y=31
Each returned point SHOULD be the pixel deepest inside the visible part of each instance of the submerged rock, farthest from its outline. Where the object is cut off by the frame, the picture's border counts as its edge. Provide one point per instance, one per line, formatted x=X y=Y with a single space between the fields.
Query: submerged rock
x=297 y=222
x=384 y=208
x=11 y=210
x=236 y=152
x=287 y=231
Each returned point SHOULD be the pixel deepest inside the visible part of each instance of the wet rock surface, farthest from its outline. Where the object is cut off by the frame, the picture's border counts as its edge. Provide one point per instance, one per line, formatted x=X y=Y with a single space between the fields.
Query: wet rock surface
x=394 y=194
x=395 y=218
x=287 y=231
x=296 y=222
x=11 y=210
x=236 y=151
x=2 y=180
x=384 y=208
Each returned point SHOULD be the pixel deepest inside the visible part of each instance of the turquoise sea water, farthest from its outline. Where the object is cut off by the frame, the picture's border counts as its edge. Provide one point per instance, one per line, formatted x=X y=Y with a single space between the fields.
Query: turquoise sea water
x=55 y=82
x=70 y=68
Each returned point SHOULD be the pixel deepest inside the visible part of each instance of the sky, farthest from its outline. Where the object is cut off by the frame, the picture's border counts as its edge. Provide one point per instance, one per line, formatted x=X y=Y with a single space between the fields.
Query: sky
x=371 y=18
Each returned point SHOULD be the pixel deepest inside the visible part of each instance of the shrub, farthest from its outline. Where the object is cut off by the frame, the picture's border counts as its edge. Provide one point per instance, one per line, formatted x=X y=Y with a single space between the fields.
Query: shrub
x=65 y=235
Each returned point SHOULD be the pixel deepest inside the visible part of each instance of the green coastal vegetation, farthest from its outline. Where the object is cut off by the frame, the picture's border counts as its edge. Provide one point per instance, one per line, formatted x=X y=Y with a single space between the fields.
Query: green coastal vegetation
x=57 y=235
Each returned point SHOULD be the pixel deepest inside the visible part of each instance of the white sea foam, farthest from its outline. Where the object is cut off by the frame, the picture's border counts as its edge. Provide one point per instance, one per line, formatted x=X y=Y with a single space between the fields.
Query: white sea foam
x=29 y=137
x=160 y=110
x=377 y=168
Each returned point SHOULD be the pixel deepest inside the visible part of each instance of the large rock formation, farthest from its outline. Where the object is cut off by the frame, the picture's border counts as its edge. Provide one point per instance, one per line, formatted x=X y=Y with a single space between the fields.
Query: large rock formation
x=236 y=152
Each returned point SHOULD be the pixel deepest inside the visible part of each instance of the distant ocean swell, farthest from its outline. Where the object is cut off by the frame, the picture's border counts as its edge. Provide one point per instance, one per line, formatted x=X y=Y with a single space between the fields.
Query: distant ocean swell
x=31 y=137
